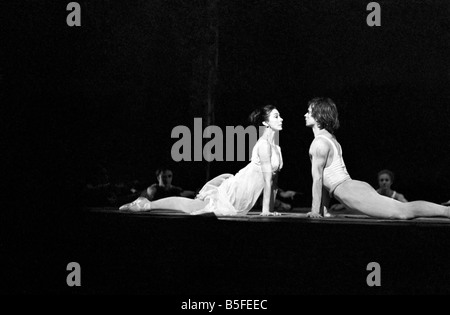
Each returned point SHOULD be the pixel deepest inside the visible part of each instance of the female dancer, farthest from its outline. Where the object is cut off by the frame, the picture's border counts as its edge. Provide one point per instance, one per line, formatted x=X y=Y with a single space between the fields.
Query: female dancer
x=229 y=194
x=385 y=181
x=330 y=174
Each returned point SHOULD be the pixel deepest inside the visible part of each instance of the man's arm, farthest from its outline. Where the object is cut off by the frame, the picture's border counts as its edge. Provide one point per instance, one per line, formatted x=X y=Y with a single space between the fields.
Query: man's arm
x=318 y=153
x=325 y=204
x=188 y=193
x=149 y=193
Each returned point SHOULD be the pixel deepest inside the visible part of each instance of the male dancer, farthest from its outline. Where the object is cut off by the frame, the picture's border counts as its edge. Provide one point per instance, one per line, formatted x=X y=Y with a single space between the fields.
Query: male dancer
x=330 y=176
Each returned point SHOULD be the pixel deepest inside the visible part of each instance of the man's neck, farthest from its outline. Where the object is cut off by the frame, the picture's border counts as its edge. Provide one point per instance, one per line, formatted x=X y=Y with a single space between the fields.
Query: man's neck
x=320 y=132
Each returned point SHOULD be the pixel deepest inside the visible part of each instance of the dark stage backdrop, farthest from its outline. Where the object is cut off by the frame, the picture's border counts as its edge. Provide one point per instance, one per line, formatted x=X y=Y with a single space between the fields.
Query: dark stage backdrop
x=111 y=90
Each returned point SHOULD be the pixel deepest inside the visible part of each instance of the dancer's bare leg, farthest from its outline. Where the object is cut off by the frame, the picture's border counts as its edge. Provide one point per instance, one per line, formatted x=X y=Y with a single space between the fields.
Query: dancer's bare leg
x=171 y=203
x=361 y=196
x=422 y=208
x=140 y=204
x=179 y=203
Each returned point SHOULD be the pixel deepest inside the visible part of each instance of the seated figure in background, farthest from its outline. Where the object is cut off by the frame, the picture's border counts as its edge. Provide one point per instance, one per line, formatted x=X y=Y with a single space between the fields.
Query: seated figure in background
x=164 y=188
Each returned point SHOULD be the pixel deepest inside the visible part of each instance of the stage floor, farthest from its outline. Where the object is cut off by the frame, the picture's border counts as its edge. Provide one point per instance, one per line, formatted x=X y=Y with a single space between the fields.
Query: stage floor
x=296 y=214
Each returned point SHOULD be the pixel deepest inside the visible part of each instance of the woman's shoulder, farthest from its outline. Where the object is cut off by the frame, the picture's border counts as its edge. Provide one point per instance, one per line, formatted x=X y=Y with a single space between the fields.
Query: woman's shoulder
x=265 y=145
x=262 y=140
x=262 y=143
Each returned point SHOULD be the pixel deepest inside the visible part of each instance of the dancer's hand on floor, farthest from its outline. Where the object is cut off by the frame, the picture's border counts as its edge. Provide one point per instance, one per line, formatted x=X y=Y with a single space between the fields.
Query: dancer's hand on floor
x=314 y=215
x=267 y=214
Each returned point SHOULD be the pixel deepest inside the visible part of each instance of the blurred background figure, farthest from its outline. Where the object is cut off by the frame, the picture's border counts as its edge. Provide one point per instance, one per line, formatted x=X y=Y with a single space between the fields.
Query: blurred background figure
x=284 y=201
x=164 y=188
x=99 y=191
x=385 y=181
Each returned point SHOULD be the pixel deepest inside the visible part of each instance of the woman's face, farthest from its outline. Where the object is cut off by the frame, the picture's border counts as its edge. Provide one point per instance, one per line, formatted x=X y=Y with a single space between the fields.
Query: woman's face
x=385 y=182
x=274 y=120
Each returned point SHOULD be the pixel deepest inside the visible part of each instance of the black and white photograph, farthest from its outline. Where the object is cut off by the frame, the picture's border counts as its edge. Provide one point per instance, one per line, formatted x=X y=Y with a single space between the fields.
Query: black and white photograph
x=222 y=153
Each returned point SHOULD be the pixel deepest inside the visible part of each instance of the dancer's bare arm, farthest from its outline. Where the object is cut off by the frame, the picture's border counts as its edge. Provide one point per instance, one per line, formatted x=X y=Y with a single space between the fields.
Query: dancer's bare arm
x=269 y=191
x=325 y=204
x=318 y=154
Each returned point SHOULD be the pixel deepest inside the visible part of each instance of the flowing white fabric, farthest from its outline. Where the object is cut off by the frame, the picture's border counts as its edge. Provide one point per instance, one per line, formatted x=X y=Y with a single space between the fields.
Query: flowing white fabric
x=229 y=194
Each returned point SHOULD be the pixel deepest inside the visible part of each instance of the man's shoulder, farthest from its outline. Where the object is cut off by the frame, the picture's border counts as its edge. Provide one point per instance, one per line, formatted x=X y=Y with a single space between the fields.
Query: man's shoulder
x=320 y=143
x=319 y=148
x=154 y=187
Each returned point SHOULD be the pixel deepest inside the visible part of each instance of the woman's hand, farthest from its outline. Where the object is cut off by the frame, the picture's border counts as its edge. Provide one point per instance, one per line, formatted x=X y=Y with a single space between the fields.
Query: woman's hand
x=268 y=214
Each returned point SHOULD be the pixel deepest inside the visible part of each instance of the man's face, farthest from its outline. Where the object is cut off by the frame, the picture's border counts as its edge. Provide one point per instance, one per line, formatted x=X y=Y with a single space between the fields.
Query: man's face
x=165 y=178
x=309 y=120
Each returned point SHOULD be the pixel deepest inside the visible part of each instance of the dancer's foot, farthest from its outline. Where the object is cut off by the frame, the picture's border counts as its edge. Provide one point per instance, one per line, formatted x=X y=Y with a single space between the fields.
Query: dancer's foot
x=140 y=204
x=201 y=211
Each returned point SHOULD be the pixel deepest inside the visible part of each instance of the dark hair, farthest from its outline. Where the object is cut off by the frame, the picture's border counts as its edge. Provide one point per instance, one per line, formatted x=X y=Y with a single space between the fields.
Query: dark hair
x=324 y=111
x=390 y=173
x=258 y=116
x=161 y=170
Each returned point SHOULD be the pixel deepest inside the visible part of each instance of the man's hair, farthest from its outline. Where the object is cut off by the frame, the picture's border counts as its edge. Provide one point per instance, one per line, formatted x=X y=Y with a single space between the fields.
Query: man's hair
x=161 y=170
x=324 y=111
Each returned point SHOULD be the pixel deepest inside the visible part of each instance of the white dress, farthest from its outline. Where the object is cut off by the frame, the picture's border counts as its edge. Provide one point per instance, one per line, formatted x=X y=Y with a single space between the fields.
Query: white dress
x=237 y=194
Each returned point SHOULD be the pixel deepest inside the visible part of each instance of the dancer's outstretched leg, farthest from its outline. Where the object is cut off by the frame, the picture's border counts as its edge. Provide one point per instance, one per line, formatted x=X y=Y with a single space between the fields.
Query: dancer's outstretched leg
x=140 y=204
x=361 y=196
x=171 y=203
x=426 y=209
x=179 y=203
